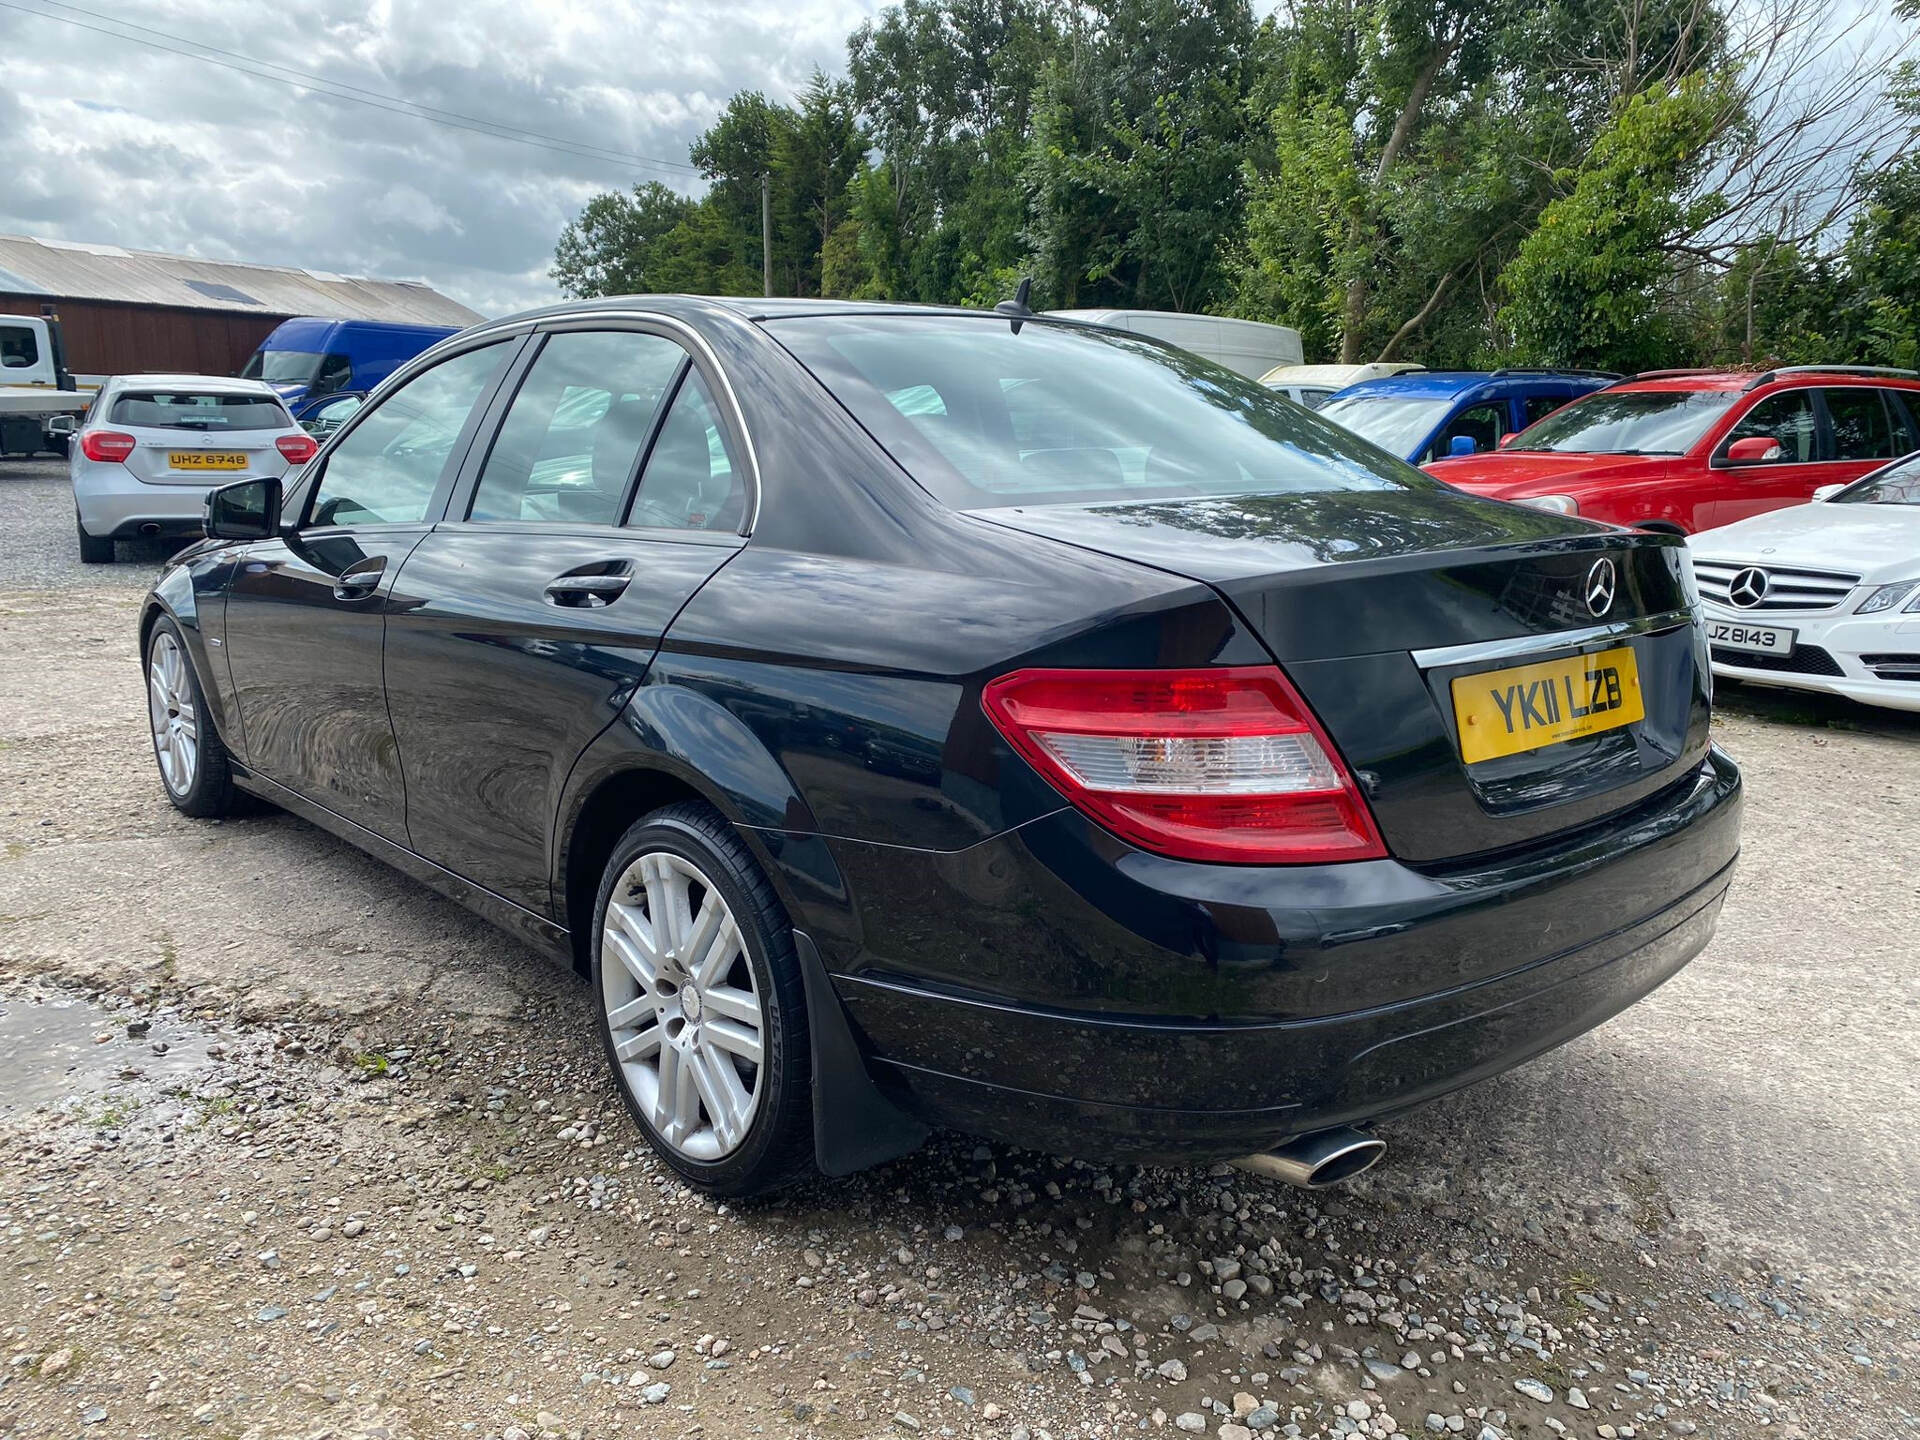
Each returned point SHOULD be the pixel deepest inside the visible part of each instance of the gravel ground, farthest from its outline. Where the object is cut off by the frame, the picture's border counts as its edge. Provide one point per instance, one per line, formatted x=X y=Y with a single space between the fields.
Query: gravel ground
x=292 y=1147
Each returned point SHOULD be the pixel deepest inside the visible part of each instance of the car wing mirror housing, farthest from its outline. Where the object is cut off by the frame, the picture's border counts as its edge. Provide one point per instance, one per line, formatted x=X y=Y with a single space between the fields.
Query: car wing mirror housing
x=1827 y=492
x=1508 y=438
x=1463 y=445
x=244 y=510
x=1754 y=450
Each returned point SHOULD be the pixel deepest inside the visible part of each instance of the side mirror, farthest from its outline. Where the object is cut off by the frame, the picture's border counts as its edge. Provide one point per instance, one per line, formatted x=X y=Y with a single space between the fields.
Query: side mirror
x=244 y=510
x=1754 y=450
x=1463 y=445
x=1827 y=492
x=1508 y=438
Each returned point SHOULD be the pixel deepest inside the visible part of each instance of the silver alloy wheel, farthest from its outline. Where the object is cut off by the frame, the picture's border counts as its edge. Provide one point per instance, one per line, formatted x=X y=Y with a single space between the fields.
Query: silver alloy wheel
x=176 y=725
x=687 y=1024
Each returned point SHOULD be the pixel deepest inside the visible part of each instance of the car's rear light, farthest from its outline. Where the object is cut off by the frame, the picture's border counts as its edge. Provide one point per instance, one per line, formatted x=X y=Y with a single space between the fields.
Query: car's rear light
x=1216 y=764
x=297 y=448
x=106 y=445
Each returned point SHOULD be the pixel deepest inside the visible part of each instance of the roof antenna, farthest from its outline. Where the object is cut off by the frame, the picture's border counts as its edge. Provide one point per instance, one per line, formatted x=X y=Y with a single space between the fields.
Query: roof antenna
x=1017 y=306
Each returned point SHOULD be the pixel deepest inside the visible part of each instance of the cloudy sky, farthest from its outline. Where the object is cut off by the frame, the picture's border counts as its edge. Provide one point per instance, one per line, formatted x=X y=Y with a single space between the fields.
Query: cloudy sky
x=110 y=133
x=115 y=138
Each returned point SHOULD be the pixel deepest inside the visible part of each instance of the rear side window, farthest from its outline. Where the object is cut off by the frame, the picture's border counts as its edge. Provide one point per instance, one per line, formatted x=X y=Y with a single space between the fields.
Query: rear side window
x=983 y=413
x=574 y=435
x=1538 y=407
x=1861 y=430
x=197 y=410
x=1788 y=418
x=691 y=481
x=388 y=466
x=1903 y=407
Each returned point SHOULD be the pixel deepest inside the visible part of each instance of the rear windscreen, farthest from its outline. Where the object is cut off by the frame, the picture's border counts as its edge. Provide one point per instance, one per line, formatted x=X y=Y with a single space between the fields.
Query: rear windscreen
x=984 y=413
x=196 y=410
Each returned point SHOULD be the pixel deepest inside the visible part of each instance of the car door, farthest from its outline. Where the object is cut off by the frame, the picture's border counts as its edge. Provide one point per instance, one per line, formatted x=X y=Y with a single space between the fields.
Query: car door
x=521 y=626
x=306 y=612
x=1735 y=492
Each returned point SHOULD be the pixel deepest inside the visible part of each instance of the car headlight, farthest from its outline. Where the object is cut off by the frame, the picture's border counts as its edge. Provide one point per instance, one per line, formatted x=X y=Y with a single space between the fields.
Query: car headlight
x=1558 y=504
x=1888 y=596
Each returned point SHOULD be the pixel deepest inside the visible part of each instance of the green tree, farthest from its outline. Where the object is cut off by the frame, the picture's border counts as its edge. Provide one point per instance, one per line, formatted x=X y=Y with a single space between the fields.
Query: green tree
x=702 y=256
x=1406 y=149
x=944 y=90
x=612 y=247
x=1589 y=286
x=1133 y=174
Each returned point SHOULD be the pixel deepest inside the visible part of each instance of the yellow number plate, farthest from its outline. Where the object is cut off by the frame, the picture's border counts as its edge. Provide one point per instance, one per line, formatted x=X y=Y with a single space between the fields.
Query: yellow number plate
x=1503 y=712
x=206 y=460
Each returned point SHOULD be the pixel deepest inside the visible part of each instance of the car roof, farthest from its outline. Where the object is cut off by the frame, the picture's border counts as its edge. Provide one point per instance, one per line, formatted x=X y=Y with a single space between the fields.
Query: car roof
x=212 y=384
x=1448 y=384
x=1740 y=381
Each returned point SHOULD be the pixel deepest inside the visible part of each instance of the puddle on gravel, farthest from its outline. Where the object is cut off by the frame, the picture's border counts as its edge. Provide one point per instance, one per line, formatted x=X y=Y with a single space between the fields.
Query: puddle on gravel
x=52 y=1052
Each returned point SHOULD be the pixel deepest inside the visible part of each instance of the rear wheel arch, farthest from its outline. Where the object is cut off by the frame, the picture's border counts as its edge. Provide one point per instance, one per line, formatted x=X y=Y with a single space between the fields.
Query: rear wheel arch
x=606 y=812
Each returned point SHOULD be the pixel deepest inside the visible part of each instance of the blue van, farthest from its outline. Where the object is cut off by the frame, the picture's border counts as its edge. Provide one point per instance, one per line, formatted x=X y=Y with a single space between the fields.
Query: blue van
x=1433 y=414
x=307 y=358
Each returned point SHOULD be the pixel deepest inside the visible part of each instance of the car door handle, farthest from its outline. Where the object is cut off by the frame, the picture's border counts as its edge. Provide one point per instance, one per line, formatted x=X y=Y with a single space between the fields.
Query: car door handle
x=360 y=579
x=589 y=591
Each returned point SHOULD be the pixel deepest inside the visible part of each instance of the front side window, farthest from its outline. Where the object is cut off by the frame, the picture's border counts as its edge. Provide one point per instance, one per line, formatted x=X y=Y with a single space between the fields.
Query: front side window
x=1860 y=427
x=983 y=415
x=1787 y=418
x=573 y=437
x=387 y=469
x=690 y=481
x=197 y=410
x=19 y=347
x=336 y=371
x=1629 y=422
x=1483 y=425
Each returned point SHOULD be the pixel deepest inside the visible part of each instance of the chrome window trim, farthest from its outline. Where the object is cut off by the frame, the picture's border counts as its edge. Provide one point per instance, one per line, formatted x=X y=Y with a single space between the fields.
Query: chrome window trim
x=1521 y=646
x=697 y=345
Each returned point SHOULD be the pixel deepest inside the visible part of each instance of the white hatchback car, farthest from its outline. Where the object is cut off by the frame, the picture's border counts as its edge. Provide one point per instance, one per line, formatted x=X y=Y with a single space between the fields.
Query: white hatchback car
x=1823 y=596
x=151 y=447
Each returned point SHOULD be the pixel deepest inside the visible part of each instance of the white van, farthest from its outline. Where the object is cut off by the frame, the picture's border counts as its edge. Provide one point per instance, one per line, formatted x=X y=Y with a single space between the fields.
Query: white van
x=1314 y=385
x=1248 y=346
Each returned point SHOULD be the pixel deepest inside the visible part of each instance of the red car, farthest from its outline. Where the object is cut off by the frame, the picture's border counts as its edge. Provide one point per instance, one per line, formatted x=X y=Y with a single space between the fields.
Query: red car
x=1686 y=450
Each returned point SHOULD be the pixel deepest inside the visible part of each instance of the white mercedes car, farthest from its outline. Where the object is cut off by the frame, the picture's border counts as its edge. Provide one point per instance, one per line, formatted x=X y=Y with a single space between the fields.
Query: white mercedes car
x=1823 y=596
x=152 y=446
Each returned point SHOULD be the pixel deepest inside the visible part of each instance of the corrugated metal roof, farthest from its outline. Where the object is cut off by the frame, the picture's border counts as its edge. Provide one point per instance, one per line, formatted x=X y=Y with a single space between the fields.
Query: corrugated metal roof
x=70 y=271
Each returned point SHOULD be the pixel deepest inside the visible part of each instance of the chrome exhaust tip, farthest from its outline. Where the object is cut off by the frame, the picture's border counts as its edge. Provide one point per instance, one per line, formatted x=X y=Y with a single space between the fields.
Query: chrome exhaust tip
x=152 y=527
x=1313 y=1162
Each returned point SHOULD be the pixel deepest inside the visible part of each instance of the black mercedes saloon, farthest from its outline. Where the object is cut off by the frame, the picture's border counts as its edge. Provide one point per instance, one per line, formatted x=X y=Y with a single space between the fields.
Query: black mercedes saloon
x=915 y=717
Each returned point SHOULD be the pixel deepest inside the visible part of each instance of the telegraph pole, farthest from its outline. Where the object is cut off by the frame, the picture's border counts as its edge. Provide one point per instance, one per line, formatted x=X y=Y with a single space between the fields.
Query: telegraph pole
x=766 y=231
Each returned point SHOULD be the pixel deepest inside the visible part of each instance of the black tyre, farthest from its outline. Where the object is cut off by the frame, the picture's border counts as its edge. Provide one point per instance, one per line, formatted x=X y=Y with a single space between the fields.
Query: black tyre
x=93 y=549
x=701 y=1006
x=186 y=746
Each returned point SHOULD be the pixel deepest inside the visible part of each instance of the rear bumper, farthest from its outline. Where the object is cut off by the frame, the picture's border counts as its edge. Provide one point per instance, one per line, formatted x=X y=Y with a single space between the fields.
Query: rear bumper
x=121 y=507
x=1242 y=1006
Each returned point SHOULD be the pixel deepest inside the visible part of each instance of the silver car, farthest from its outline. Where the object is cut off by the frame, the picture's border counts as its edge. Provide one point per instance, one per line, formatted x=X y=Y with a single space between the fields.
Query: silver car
x=151 y=447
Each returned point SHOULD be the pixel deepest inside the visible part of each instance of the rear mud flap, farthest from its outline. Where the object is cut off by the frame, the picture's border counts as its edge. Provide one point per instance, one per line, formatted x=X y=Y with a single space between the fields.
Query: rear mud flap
x=855 y=1127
